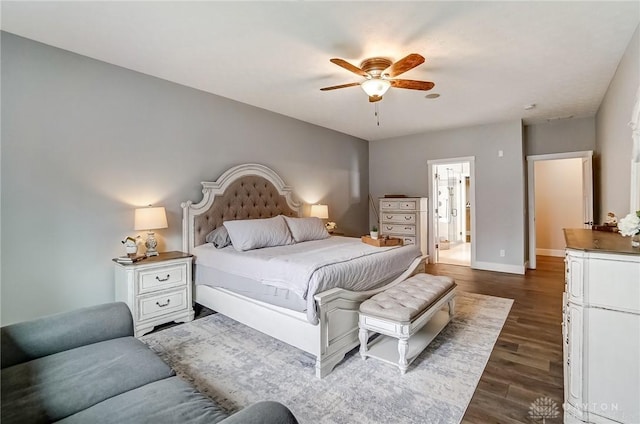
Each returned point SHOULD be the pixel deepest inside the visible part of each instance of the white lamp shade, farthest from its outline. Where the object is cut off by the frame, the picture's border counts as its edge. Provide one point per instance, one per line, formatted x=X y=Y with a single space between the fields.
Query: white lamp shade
x=320 y=211
x=375 y=87
x=150 y=218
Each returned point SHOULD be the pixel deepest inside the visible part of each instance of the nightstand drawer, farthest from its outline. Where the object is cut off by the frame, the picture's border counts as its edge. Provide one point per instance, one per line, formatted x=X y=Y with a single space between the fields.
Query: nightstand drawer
x=399 y=229
x=161 y=278
x=160 y=304
x=405 y=218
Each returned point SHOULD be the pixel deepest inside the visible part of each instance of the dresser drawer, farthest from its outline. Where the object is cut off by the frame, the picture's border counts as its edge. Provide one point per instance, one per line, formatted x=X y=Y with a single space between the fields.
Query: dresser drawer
x=409 y=205
x=389 y=204
x=405 y=218
x=161 y=278
x=399 y=229
x=408 y=240
x=160 y=304
x=614 y=284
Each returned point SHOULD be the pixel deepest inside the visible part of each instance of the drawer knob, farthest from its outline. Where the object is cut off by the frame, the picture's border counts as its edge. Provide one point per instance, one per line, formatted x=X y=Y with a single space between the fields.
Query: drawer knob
x=162 y=305
x=408 y=218
x=389 y=216
x=408 y=228
x=163 y=279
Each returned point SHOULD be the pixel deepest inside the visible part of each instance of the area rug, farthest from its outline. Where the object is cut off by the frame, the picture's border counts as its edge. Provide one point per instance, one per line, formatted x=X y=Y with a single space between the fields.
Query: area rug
x=236 y=366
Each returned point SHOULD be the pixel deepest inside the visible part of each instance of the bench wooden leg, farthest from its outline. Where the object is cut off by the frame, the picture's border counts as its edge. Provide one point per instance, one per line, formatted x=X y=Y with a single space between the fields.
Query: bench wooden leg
x=452 y=307
x=363 y=334
x=403 y=346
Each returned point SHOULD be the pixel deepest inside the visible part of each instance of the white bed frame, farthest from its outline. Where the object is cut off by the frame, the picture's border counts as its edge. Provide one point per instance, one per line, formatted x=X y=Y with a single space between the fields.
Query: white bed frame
x=337 y=330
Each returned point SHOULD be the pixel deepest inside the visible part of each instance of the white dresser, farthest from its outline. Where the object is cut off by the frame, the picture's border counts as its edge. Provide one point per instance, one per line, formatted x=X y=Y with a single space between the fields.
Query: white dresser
x=156 y=289
x=601 y=329
x=405 y=218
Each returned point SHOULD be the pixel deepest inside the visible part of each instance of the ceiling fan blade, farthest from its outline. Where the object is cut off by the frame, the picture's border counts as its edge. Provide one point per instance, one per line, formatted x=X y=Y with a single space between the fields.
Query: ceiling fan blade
x=335 y=87
x=349 y=67
x=373 y=99
x=412 y=84
x=404 y=64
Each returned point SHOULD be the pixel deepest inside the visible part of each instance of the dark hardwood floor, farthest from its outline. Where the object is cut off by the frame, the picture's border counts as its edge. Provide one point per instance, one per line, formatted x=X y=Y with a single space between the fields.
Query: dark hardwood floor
x=526 y=361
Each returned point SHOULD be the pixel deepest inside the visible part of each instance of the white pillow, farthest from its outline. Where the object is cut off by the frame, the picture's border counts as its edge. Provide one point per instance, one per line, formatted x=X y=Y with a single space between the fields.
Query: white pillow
x=250 y=234
x=305 y=229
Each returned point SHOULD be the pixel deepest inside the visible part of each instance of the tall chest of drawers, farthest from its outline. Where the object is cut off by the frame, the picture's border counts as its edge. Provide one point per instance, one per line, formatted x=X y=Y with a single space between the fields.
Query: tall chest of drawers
x=405 y=218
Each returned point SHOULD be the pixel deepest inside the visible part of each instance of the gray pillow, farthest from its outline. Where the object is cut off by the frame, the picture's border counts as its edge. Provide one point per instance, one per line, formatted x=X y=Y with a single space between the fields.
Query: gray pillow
x=305 y=229
x=219 y=237
x=247 y=234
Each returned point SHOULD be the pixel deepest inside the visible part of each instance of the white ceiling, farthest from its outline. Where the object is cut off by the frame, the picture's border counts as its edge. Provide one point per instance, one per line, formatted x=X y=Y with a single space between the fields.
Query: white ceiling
x=487 y=59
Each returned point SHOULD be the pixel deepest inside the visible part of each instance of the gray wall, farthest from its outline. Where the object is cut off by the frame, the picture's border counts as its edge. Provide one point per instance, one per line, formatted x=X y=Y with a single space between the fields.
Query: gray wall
x=570 y=135
x=613 y=134
x=85 y=142
x=399 y=165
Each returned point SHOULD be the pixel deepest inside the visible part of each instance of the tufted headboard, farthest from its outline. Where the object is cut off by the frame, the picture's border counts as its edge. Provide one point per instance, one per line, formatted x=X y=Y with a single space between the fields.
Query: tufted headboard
x=248 y=191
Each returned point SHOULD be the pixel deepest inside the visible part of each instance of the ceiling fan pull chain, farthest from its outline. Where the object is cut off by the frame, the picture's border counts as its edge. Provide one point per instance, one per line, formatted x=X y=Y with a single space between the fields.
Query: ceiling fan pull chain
x=377 y=114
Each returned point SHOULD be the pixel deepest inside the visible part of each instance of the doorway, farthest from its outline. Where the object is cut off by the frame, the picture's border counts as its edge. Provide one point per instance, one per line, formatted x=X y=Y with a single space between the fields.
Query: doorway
x=560 y=194
x=452 y=230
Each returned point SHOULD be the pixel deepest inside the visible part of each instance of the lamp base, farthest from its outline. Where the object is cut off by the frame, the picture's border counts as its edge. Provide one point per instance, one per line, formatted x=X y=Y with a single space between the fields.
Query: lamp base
x=151 y=245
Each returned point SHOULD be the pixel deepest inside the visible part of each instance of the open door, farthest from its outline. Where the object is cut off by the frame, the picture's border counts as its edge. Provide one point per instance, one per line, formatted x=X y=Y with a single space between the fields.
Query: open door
x=450 y=201
x=587 y=191
x=437 y=209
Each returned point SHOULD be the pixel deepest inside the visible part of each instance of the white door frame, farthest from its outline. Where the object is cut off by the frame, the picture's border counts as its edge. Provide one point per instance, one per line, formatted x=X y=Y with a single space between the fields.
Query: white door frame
x=531 y=193
x=472 y=199
x=634 y=203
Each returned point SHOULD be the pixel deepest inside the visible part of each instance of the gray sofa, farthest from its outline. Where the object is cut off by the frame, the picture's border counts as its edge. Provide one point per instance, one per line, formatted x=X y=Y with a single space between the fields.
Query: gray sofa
x=85 y=366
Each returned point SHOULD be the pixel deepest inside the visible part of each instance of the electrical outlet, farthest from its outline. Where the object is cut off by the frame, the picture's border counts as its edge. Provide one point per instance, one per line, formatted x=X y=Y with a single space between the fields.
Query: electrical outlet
x=502 y=253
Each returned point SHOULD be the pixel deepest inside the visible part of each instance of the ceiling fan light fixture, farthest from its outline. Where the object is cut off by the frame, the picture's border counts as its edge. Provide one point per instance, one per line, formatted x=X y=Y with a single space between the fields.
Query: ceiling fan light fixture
x=375 y=87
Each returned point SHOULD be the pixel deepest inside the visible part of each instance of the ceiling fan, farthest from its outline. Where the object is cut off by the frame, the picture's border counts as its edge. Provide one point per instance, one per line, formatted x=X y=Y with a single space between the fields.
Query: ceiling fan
x=380 y=74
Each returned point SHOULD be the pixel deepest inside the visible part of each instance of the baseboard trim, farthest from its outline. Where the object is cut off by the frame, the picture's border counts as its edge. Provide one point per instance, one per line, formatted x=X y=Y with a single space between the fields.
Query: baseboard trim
x=550 y=252
x=491 y=266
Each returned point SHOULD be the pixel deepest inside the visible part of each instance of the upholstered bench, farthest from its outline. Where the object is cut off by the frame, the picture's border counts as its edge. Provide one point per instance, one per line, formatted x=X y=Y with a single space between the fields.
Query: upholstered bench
x=412 y=311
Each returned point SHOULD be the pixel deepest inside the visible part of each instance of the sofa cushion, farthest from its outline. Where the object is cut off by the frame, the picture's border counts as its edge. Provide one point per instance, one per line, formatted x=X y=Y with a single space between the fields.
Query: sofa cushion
x=171 y=400
x=261 y=413
x=29 y=340
x=56 y=386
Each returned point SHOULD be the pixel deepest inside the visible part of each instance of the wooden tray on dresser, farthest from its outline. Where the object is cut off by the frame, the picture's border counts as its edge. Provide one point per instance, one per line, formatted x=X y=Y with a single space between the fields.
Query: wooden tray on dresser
x=382 y=242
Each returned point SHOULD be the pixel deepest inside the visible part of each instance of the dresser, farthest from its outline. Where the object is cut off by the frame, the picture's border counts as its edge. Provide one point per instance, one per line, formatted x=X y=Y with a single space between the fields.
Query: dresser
x=601 y=328
x=405 y=218
x=156 y=289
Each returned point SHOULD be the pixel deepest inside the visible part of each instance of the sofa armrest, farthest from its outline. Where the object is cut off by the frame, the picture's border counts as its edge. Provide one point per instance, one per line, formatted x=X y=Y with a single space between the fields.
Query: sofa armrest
x=56 y=333
x=267 y=412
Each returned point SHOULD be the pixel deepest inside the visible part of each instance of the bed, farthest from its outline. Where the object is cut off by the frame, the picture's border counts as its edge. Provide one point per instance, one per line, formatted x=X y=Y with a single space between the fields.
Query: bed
x=318 y=316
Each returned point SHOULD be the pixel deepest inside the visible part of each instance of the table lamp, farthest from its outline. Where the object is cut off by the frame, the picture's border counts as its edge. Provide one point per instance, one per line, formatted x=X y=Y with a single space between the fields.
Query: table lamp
x=150 y=218
x=320 y=211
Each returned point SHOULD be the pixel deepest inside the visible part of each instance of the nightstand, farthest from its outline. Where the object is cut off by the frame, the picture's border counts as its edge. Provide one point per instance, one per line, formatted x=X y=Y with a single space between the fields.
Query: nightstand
x=156 y=289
